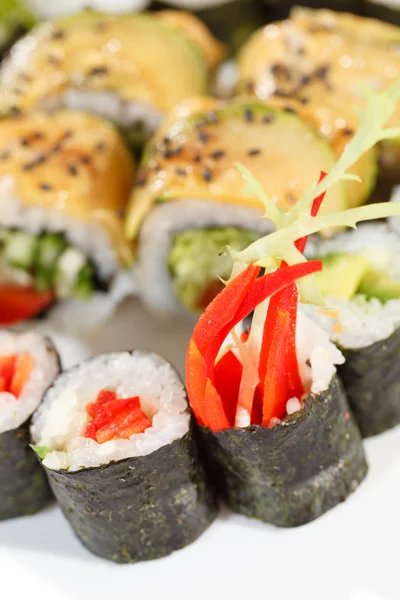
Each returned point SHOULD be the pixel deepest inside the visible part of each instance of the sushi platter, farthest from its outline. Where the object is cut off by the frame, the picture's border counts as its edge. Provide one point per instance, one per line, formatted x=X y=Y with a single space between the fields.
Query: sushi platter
x=199 y=299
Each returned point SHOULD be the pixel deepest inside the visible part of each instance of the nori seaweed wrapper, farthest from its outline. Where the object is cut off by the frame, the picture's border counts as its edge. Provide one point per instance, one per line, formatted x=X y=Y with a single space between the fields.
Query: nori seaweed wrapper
x=294 y=472
x=371 y=376
x=138 y=508
x=24 y=489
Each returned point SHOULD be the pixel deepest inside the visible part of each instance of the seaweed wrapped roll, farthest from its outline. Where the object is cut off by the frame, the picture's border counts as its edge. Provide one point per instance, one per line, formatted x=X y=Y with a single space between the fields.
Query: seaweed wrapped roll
x=28 y=365
x=64 y=183
x=189 y=201
x=127 y=68
x=115 y=438
x=361 y=282
x=274 y=421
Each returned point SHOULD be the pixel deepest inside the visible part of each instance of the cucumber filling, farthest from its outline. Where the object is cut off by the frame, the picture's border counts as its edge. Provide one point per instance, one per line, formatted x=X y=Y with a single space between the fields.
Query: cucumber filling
x=196 y=263
x=45 y=261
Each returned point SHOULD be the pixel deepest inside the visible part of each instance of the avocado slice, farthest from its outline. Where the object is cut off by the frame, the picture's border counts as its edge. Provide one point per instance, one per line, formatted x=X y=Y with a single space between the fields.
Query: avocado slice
x=342 y=274
x=196 y=157
x=377 y=284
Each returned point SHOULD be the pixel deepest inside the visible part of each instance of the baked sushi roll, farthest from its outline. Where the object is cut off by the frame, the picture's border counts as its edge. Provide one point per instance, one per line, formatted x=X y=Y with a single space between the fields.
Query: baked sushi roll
x=116 y=441
x=127 y=68
x=315 y=63
x=28 y=364
x=189 y=200
x=64 y=183
x=361 y=283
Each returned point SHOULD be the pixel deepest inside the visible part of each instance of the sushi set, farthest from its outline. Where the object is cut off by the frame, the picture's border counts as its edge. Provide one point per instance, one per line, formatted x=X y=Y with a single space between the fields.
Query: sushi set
x=261 y=223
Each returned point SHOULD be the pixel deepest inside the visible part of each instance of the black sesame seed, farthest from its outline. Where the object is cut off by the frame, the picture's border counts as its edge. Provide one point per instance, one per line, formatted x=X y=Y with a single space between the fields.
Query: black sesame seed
x=180 y=171
x=100 y=147
x=15 y=111
x=25 y=142
x=197 y=158
x=207 y=175
x=56 y=148
x=85 y=160
x=268 y=118
x=166 y=141
x=217 y=154
x=211 y=117
x=167 y=154
x=4 y=155
x=58 y=34
x=100 y=70
x=45 y=186
x=69 y=133
x=34 y=163
x=203 y=137
x=321 y=72
x=254 y=152
x=304 y=100
x=291 y=198
x=178 y=150
x=249 y=115
x=305 y=80
x=53 y=60
x=290 y=110
x=348 y=131
x=73 y=170
x=38 y=135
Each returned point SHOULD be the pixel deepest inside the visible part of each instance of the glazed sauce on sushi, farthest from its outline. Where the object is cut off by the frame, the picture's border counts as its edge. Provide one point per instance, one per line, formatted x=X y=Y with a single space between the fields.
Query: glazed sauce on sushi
x=114 y=418
x=15 y=371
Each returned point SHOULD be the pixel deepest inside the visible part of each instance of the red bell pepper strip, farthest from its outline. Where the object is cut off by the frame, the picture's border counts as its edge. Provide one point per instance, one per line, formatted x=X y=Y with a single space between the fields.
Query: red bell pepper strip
x=274 y=383
x=227 y=376
x=7 y=369
x=218 y=320
x=19 y=303
x=316 y=205
x=295 y=388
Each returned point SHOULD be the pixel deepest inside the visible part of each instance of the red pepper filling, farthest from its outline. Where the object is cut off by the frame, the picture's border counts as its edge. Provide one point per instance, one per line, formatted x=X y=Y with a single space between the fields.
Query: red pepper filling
x=19 y=303
x=15 y=371
x=214 y=387
x=115 y=418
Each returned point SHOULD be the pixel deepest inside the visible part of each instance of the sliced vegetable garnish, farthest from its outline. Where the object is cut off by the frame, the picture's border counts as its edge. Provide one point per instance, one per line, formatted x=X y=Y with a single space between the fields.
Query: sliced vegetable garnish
x=19 y=303
x=15 y=371
x=115 y=418
x=231 y=306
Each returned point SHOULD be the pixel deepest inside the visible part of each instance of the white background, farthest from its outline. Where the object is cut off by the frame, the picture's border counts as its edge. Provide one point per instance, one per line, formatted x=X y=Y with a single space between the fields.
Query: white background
x=352 y=553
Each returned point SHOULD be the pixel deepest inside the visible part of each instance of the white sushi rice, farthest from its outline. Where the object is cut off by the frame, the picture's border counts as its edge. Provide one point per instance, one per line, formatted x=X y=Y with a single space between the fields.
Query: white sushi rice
x=155 y=240
x=109 y=105
x=15 y=411
x=360 y=322
x=51 y=9
x=87 y=236
x=60 y=421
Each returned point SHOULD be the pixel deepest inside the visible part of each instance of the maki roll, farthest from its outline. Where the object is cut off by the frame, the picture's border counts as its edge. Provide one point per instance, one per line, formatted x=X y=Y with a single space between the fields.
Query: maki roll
x=127 y=68
x=276 y=429
x=314 y=64
x=28 y=364
x=115 y=438
x=361 y=282
x=64 y=183
x=189 y=201
x=275 y=425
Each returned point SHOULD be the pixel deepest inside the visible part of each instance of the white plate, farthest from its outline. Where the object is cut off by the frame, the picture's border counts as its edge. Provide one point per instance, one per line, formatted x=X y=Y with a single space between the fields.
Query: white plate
x=351 y=553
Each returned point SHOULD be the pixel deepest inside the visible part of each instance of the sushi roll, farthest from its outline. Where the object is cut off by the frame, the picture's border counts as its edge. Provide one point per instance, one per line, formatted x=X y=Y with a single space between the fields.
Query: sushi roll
x=361 y=282
x=189 y=200
x=279 y=438
x=64 y=183
x=127 y=68
x=276 y=429
x=28 y=365
x=116 y=441
x=314 y=63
